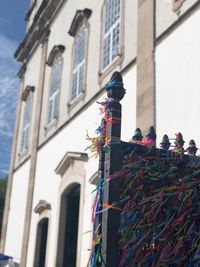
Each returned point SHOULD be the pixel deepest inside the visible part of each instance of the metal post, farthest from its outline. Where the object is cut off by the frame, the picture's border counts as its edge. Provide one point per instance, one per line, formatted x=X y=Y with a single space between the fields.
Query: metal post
x=110 y=218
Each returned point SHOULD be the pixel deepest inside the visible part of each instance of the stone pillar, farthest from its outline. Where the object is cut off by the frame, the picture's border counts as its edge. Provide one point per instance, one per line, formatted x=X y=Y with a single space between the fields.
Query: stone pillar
x=34 y=145
x=146 y=64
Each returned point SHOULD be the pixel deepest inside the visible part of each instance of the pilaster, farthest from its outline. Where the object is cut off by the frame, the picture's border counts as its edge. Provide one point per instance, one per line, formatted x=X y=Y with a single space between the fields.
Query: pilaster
x=146 y=64
x=34 y=143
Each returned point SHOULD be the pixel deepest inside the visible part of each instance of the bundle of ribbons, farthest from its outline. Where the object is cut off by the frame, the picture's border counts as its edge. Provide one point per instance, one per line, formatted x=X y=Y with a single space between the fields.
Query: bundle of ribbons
x=160 y=218
x=159 y=202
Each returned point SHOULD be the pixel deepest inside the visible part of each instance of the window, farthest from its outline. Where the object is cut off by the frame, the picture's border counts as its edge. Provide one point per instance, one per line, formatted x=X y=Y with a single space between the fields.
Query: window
x=79 y=57
x=54 y=89
x=68 y=228
x=111 y=32
x=26 y=123
x=71 y=168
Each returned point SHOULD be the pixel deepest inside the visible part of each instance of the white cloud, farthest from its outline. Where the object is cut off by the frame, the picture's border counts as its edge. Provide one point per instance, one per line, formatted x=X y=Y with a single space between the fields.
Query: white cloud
x=8 y=97
x=7 y=48
x=4 y=21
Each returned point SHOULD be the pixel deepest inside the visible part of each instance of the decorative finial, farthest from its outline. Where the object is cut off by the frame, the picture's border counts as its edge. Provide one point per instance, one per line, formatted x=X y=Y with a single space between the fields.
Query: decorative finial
x=137 y=136
x=192 y=149
x=165 y=144
x=179 y=142
x=115 y=87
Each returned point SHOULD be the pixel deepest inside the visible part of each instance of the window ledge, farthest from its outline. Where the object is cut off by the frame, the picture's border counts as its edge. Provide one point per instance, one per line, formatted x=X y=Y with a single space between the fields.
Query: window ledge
x=51 y=125
x=73 y=103
x=116 y=62
x=23 y=153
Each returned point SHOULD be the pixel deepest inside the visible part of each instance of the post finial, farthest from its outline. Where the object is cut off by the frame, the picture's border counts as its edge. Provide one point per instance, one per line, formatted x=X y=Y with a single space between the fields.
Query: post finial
x=115 y=87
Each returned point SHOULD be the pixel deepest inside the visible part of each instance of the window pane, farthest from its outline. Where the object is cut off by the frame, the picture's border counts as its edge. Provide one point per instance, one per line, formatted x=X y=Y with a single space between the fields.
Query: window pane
x=115 y=47
x=111 y=18
x=26 y=136
x=74 y=86
x=55 y=76
x=50 y=110
x=81 y=75
x=55 y=105
x=106 y=51
x=26 y=123
x=54 y=89
x=23 y=140
x=78 y=62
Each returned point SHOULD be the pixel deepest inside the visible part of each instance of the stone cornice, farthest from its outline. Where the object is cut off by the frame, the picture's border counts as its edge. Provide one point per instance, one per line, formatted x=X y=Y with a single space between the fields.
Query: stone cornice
x=28 y=14
x=68 y=160
x=78 y=18
x=45 y=14
x=41 y=206
x=56 y=49
x=26 y=92
x=21 y=71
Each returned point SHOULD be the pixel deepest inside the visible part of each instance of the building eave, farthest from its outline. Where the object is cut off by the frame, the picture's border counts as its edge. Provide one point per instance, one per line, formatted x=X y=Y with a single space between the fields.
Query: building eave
x=42 y=19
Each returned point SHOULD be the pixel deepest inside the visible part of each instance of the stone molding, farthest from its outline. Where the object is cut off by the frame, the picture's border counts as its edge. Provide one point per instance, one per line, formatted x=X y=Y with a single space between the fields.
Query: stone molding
x=29 y=12
x=41 y=206
x=26 y=92
x=45 y=35
x=34 y=144
x=21 y=71
x=45 y=14
x=68 y=160
x=176 y=6
x=78 y=19
x=55 y=50
x=73 y=175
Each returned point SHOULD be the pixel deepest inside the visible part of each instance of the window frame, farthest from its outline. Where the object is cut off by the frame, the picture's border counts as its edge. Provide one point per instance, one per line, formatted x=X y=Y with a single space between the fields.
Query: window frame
x=71 y=169
x=85 y=25
x=38 y=241
x=63 y=222
x=43 y=211
x=24 y=145
x=56 y=94
x=120 y=55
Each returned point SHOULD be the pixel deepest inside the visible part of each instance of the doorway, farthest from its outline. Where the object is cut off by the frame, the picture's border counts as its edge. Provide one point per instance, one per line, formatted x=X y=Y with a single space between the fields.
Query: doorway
x=68 y=227
x=41 y=243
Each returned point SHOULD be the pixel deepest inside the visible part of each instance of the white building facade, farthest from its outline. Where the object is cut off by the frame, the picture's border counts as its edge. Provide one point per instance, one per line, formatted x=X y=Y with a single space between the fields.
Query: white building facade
x=70 y=50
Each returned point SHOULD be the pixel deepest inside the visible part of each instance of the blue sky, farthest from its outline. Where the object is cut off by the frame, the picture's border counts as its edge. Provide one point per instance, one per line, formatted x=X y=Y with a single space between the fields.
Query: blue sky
x=12 y=31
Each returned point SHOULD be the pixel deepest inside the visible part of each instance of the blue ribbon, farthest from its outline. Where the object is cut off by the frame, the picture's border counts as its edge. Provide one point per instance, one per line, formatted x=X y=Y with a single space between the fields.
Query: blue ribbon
x=112 y=84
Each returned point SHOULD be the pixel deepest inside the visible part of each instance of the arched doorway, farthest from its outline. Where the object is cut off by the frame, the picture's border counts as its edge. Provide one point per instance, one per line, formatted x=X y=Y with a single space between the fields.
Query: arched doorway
x=41 y=243
x=68 y=227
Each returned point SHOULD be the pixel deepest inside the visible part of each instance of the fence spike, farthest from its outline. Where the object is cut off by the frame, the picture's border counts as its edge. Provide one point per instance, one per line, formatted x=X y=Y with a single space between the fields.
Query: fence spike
x=151 y=134
x=192 y=149
x=179 y=143
x=137 y=136
x=165 y=144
